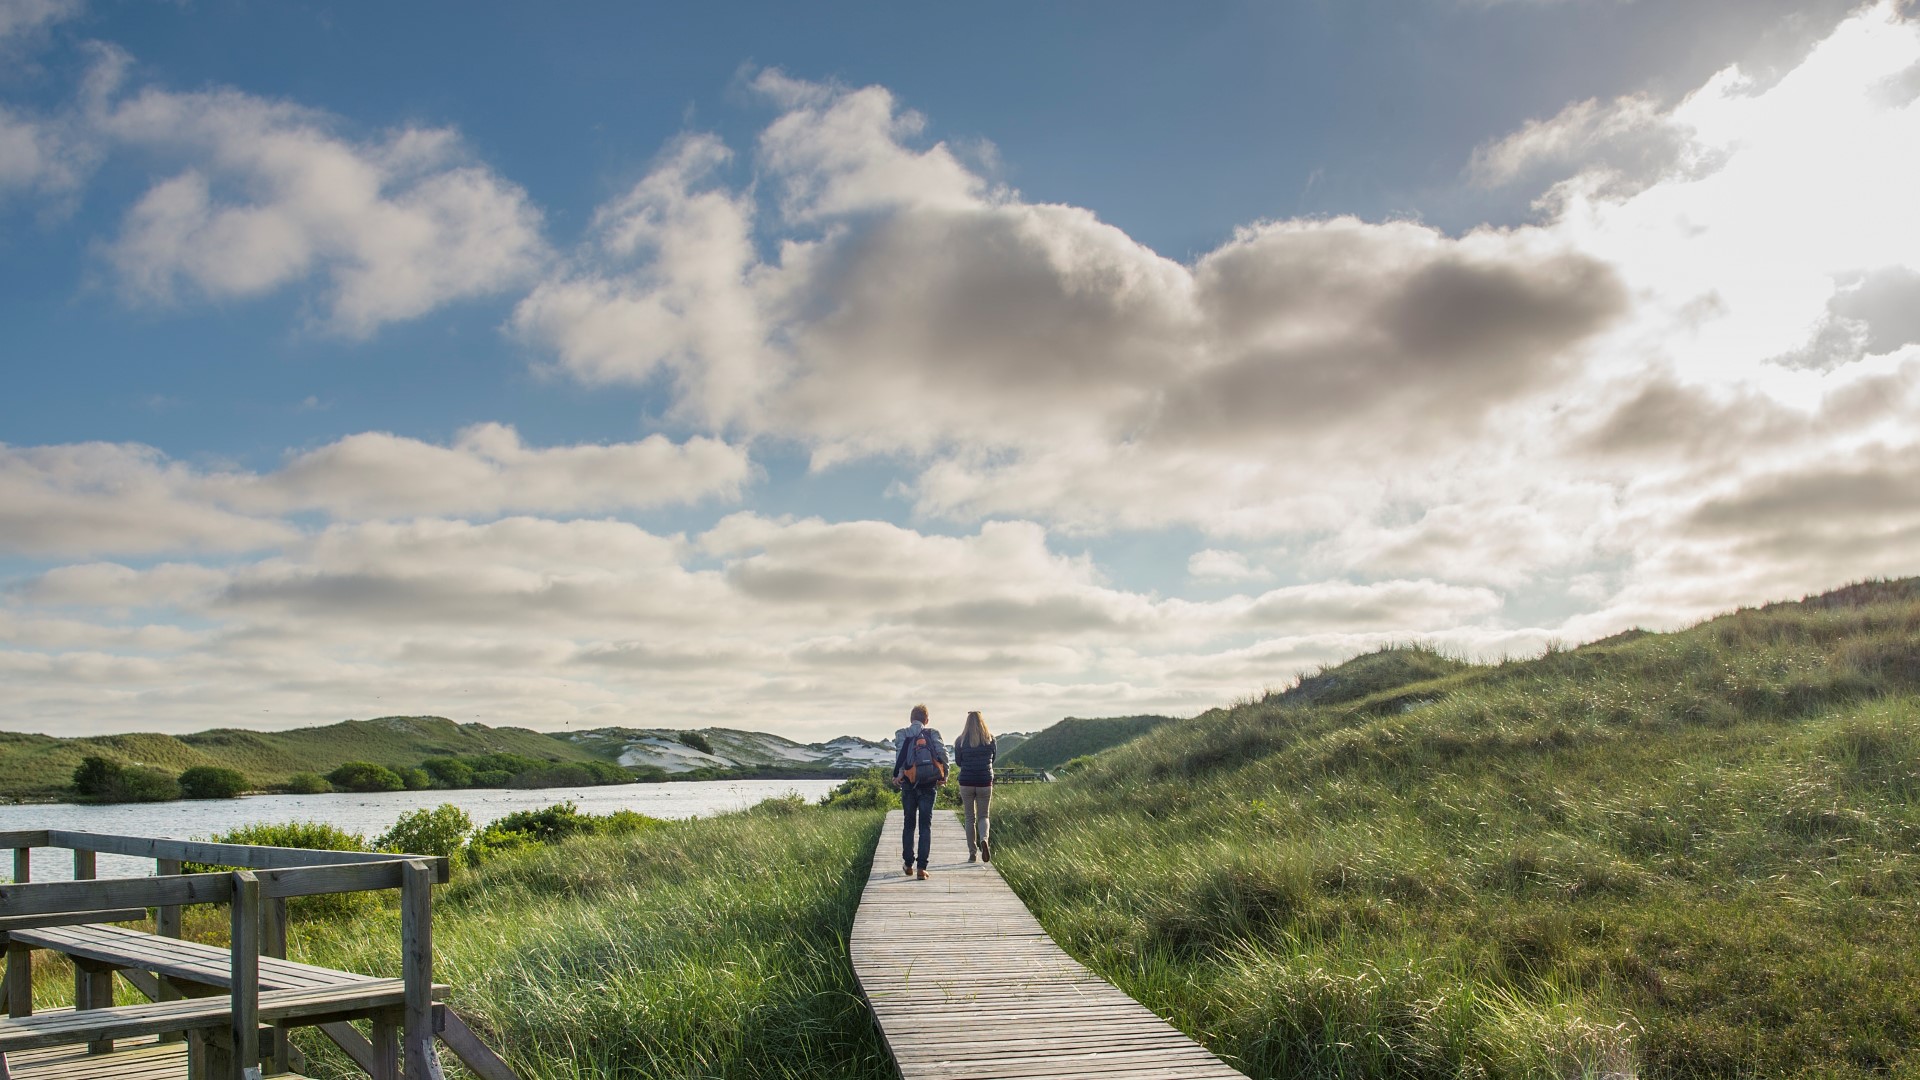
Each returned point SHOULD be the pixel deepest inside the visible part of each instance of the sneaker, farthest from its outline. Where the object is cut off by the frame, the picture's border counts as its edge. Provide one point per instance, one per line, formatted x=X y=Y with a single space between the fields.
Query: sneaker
x=922 y=875
x=986 y=852
x=971 y=857
x=909 y=870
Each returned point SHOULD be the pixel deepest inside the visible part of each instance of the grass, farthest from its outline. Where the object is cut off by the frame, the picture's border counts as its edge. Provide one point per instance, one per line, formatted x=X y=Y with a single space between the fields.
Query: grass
x=1682 y=855
x=711 y=948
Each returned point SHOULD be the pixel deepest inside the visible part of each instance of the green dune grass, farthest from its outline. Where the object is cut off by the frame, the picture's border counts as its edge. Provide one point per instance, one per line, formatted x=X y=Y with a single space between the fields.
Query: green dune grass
x=1681 y=855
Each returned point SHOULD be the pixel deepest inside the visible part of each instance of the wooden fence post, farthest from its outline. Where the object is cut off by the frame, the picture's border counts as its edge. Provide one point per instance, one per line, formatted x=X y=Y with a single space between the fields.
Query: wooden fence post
x=19 y=957
x=245 y=974
x=92 y=984
x=416 y=968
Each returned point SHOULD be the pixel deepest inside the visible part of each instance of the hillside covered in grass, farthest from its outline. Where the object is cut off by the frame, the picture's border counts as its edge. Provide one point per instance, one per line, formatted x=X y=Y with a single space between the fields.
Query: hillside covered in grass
x=1052 y=747
x=1693 y=854
x=40 y=767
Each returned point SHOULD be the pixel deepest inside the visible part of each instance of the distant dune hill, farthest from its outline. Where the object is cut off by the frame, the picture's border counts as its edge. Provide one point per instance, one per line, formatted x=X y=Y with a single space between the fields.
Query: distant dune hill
x=40 y=767
x=1052 y=747
x=728 y=748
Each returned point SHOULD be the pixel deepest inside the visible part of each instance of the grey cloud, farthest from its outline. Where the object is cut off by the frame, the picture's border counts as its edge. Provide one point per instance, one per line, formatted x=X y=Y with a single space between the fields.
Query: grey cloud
x=1038 y=616
x=1621 y=147
x=1666 y=417
x=1326 y=325
x=1880 y=487
x=1397 y=606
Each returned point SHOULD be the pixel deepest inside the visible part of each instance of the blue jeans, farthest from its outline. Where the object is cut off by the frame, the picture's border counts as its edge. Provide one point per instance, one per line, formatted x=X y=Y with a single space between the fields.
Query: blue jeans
x=917 y=804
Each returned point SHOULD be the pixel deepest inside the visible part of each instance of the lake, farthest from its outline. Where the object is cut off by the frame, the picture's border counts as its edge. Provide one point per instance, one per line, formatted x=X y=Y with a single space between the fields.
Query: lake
x=369 y=814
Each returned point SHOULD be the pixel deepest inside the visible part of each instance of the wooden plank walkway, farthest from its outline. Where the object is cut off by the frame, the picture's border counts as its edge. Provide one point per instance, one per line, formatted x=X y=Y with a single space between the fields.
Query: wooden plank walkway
x=965 y=985
x=138 y=1059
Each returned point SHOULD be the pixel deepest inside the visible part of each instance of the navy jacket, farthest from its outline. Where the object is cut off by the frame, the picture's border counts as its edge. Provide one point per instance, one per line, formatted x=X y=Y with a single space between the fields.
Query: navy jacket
x=976 y=763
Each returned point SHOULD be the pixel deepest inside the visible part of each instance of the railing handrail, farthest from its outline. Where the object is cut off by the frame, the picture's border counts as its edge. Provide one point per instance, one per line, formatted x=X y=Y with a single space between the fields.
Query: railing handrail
x=243 y=856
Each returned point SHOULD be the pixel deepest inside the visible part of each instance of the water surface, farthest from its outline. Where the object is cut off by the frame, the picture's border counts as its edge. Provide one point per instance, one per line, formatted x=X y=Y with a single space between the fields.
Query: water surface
x=369 y=814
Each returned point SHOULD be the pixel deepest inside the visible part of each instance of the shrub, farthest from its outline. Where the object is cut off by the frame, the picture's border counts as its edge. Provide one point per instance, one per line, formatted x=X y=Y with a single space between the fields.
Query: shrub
x=315 y=835
x=867 y=789
x=780 y=805
x=439 y=831
x=449 y=772
x=103 y=780
x=695 y=740
x=212 y=782
x=365 y=776
x=416 y=779
x=526 y=828
x=306 y=783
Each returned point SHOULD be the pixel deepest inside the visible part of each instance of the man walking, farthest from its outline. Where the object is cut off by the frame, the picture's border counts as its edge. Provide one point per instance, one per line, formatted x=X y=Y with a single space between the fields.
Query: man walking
x=919 y=768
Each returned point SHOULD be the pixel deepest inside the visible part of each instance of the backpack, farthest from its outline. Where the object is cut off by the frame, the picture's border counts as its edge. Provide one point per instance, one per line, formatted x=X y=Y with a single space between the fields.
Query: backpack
x=923 y=767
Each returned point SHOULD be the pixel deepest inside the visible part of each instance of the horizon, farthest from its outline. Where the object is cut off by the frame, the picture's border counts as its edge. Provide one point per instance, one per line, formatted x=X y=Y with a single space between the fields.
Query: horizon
x=675 y=370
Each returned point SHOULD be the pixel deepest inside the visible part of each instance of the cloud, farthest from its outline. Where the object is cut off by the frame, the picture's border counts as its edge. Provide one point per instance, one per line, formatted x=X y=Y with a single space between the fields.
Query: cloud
x=24 y=20
x=93 y=498
x=1215 y=565
x=87 y=498
x=1020 y=348
x=487 y=470
x=1631 y=141
x=270 y=195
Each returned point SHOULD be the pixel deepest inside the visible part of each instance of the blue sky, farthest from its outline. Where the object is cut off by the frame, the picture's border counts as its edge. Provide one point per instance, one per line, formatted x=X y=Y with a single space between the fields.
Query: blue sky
x=772 y=365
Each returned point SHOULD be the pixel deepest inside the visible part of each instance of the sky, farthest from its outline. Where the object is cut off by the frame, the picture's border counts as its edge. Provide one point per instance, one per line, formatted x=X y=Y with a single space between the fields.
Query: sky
x=779 y=366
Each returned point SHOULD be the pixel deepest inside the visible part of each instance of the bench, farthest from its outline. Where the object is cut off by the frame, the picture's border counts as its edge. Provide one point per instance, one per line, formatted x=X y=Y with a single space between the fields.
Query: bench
x=310 y=1004
x=186 y=961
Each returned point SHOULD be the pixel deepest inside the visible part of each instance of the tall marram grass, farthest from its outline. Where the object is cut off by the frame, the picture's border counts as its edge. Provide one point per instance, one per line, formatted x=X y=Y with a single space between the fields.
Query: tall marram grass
x=706 y=948
x=1681 y=855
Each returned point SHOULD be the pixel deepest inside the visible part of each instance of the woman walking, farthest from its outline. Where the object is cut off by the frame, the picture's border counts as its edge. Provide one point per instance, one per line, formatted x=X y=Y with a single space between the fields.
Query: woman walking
x=974 y=752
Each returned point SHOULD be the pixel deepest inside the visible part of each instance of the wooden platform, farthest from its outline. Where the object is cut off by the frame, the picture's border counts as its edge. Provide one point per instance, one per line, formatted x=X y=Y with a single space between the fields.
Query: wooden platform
x=965 y=984
x=143 y=1059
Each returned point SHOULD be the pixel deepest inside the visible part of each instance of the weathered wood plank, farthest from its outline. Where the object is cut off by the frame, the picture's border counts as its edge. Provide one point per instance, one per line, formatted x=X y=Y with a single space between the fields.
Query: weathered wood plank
x=1014 y=1006
x=244 y=856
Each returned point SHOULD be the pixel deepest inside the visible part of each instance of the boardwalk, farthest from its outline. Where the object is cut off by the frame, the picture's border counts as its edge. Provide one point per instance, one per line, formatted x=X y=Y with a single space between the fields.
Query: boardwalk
x=965 y=984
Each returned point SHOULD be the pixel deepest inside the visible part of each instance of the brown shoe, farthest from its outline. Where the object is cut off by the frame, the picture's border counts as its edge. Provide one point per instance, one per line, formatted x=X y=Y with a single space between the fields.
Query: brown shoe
x=909 y=870
x=922 y=875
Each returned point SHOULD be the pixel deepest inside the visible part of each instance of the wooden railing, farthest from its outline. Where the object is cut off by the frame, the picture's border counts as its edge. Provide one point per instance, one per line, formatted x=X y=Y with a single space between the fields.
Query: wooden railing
x=257 y=893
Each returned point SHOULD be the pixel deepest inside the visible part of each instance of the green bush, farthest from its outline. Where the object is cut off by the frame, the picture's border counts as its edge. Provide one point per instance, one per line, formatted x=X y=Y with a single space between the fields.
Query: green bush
x=439 y=831
x=416 y=779
x=365 y=776
x=867 y=789
x=695 y=740
x=527 y=828
x=212 y=782
x=306 y=783
x=313 y=835
x=100 y=779
x=449 y=772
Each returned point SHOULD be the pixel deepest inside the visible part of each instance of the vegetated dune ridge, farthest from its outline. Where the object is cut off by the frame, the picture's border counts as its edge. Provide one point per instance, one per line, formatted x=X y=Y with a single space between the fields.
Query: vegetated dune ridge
x=38 y=767
x=1693 y=854
x=1052 y=747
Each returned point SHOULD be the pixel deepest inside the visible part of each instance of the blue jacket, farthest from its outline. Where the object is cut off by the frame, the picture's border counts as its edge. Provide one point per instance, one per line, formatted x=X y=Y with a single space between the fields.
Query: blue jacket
x=938 y=747
x=976 y=763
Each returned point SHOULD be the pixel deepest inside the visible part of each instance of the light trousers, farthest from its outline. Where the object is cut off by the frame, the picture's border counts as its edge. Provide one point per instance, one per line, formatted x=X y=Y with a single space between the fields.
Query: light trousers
x=973 y=811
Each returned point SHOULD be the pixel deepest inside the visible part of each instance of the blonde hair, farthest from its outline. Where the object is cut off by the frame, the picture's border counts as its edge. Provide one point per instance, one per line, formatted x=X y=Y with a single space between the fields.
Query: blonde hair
x=976 y=733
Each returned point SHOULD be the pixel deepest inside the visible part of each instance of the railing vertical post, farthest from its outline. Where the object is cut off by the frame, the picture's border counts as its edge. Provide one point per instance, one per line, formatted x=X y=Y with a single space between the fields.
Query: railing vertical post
x=416 y=967
x=167 y=923
x=273 y=942
x=19 y=957
x=245 y=975
x=92 y=984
